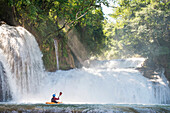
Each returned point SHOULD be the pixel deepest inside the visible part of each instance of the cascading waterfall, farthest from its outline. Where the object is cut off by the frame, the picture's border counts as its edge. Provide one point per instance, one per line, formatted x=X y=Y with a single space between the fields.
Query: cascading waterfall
x=4 y=85
x=110 y=81
x=56 y=52
x=114 y=81
x=21 y=58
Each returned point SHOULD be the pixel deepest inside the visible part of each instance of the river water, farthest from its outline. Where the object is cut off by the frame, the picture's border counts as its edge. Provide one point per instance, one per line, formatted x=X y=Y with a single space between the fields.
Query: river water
x=84 y=108
x=102 y=86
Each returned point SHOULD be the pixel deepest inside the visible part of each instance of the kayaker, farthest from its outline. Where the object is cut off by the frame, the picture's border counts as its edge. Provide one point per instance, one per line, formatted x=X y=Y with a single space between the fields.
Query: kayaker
x=54 y=99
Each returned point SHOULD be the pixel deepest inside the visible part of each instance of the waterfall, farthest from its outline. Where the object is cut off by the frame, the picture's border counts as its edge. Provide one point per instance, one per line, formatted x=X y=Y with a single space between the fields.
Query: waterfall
x=107 y=82
x=21 y=58
x=4 y=85
x=22 y=77
x=56 y=52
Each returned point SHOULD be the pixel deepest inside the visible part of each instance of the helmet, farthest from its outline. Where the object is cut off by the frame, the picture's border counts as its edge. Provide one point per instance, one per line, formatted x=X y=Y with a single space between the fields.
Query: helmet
x=53 y=95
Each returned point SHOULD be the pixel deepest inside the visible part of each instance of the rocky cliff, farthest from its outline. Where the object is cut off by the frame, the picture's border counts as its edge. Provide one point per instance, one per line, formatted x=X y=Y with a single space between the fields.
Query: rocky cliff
x=154 y=67
x=46 y=44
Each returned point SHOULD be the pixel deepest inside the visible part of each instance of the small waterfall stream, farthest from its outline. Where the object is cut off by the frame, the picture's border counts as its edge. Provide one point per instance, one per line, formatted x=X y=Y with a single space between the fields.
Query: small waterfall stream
x=22 y=77
x=56 y=52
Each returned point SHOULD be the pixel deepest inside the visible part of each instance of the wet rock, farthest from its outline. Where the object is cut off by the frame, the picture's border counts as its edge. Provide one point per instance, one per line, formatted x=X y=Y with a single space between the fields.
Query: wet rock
x=4 y=86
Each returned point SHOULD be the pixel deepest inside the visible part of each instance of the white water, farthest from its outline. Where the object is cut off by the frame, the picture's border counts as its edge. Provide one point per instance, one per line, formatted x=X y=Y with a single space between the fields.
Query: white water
x=114 y=81
x=56 y=52
x=111 y=82
x=21 y=57
x=5 y=92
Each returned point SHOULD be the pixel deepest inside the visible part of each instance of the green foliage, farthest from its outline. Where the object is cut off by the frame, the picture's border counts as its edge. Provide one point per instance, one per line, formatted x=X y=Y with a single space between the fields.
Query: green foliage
x=91 y=30
x=50 y=17
x=37 y=11
x=142 y=28
x=42 y=13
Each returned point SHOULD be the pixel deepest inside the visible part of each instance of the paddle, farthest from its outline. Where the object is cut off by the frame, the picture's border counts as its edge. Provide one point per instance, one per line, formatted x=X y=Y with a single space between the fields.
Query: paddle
x=60 y=94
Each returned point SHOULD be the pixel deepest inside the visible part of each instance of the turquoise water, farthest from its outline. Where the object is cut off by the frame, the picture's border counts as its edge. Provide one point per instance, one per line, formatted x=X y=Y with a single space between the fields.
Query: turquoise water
x=83 y=108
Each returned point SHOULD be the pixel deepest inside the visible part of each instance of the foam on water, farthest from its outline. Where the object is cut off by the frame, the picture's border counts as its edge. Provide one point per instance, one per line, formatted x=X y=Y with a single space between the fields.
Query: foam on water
x=107 y=84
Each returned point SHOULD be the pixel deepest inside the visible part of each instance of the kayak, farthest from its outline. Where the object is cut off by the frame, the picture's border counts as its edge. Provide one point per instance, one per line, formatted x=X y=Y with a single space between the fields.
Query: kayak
x=53 y=103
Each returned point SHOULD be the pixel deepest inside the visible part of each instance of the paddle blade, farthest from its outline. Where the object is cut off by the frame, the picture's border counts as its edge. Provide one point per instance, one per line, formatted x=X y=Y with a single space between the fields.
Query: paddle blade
x=60 y=94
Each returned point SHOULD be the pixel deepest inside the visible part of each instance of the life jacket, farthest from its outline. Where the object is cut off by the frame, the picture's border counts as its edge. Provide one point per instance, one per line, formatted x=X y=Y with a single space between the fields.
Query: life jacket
x=54 y=99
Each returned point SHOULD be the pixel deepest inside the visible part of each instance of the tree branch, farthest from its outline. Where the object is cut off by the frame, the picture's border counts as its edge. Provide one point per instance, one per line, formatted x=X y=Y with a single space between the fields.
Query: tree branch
x=77 y=18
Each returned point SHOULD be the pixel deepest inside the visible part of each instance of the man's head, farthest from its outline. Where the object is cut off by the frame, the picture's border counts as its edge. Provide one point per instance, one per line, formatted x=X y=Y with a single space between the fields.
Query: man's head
x=53 y=95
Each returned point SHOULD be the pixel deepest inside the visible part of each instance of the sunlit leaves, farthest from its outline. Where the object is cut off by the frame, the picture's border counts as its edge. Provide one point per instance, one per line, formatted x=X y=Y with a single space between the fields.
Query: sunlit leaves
x=90 y=26
x=141 y=28
x=71 y=11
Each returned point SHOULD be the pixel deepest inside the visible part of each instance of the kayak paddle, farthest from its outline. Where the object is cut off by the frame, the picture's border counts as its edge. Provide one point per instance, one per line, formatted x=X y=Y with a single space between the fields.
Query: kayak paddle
x=60 y=94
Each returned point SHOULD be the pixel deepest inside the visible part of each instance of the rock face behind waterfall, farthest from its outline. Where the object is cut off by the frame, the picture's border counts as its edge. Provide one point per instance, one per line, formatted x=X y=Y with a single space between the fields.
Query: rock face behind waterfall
x=77 y=47
x=4 y=85
x=20 y=57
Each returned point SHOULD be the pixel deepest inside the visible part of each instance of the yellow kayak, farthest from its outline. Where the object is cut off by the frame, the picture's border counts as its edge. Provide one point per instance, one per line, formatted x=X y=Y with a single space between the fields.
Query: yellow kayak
x=53 y=103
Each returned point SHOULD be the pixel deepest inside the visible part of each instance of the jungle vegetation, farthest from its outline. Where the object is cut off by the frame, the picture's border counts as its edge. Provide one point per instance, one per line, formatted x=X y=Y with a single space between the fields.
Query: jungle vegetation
x=141 y=29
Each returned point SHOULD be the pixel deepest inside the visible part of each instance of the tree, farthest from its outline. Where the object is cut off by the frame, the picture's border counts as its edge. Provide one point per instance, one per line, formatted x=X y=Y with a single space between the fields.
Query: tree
x=91 y=30
x=37 y=11
x=142 y=28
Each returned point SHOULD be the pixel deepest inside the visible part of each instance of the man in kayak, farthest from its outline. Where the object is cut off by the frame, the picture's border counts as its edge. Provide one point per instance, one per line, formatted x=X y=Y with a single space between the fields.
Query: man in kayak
x=54 y=99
